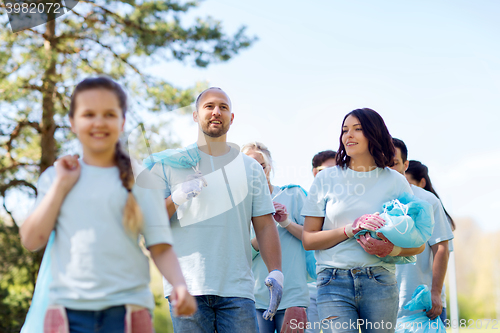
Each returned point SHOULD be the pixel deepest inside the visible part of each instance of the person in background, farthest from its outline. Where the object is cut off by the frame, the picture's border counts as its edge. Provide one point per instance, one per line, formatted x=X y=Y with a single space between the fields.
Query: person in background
x=322 y=160
x=430 y=268
x=418 y=175
x=288 y=202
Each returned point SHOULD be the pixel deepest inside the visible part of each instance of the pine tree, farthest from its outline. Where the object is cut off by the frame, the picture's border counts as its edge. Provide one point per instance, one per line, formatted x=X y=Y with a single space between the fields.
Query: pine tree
x=39 y=67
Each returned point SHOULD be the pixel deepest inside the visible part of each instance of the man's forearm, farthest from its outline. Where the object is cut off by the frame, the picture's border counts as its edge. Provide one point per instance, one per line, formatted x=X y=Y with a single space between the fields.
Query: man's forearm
x=269 y=243
x=171 y=207
x=441 y=255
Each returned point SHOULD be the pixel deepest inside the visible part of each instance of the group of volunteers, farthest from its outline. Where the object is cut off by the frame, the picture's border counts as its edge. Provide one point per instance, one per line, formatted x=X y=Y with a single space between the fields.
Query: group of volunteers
x=249 y=256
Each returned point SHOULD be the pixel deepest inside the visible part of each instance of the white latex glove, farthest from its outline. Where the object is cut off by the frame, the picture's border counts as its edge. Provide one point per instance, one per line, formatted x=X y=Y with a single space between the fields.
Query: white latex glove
x=274 y=282
x=189 y=189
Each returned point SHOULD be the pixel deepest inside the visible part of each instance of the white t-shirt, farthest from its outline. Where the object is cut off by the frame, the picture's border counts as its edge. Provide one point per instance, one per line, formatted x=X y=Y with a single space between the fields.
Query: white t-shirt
x=411 y=276
x=95 y=263
x=341 y=196
x=212 y=230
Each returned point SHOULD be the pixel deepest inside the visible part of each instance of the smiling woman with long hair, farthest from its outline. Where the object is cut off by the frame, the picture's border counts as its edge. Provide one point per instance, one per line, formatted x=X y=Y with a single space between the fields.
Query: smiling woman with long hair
x=354 y=284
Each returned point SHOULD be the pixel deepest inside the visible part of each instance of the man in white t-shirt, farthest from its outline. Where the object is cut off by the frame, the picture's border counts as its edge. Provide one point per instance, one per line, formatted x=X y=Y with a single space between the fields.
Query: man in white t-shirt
x=431 y=265
x=210 y=211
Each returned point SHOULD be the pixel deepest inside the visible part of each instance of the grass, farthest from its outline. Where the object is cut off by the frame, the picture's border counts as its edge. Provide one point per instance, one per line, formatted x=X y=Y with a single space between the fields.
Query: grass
x=161 y=315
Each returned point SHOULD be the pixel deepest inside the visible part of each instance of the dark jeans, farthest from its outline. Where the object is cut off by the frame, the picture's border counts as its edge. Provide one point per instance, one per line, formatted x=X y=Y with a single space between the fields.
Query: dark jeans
x=110 y=320
x=224 y=314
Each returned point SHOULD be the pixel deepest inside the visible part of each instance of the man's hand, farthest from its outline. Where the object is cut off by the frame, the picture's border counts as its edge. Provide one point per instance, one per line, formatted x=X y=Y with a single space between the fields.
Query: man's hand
x=437 y=306
x=189 y=189
x=274 y=282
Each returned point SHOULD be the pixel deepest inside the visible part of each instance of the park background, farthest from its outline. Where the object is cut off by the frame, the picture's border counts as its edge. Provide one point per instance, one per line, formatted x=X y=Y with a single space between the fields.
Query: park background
x=431 y=69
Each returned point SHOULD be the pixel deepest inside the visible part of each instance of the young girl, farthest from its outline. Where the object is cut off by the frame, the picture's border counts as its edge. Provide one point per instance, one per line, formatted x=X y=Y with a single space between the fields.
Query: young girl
x=354 y=286
x=100 y=274
x=288 y=200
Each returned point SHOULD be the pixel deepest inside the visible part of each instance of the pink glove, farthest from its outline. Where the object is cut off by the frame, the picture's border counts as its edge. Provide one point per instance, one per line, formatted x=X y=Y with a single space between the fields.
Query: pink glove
x=300 y=322
x=281 y=213
x=368 y=221
x=380 y=248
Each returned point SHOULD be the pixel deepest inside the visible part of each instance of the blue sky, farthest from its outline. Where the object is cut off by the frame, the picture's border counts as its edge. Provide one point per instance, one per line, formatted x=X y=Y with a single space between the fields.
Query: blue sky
x=432 y=70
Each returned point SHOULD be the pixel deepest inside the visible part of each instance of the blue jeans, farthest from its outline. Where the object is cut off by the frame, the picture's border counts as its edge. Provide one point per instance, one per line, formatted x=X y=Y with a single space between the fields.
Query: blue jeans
x=366 y=296
x=268 y=326
x=443 y=315
x=224 y=314
x=312 y=316
x=110 y=320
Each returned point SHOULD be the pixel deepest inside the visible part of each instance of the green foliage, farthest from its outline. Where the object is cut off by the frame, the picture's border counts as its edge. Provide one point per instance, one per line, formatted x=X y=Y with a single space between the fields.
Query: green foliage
x=39 y=68
x=161 y=315
x=16 y=275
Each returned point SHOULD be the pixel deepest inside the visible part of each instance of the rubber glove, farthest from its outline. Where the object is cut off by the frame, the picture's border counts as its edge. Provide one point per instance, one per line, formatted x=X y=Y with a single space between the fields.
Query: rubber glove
x=380 y=248
x=368 y=221
x=300 y=316
x=281 y=215
x=274 y=282
x=189 y=189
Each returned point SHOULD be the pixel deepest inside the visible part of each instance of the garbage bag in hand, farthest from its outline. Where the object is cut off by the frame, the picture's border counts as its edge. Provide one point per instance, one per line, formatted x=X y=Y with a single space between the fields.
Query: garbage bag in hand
x=419 y=322
x=409 y=221
x=182 y=158
x=40 y=302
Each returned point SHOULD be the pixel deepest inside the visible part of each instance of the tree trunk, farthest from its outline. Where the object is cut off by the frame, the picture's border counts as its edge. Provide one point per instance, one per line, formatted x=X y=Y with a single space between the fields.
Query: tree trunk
x=47 y=125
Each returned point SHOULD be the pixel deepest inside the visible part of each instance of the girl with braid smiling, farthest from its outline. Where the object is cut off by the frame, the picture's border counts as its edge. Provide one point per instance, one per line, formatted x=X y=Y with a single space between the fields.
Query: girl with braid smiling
x=100 y=274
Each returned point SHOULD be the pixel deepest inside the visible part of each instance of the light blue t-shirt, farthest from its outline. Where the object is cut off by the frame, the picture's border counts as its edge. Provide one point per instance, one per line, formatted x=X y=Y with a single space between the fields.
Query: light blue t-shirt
x=212 y=230
x=341 y=196
x=293 y=256
x=95 y=263
x=411 y=276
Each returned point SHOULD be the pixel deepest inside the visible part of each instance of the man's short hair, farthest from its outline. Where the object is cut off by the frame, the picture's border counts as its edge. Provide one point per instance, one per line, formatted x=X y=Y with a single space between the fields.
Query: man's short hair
x=197 y=103
x=323 y=156
x=401 y=145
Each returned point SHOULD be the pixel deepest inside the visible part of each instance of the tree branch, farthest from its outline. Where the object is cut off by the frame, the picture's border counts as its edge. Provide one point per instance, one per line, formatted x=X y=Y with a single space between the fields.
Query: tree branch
x=121 y=19
x=14 y=223
x=17 y=131
x=117 y=56
x=15 y=183
x=16 y=165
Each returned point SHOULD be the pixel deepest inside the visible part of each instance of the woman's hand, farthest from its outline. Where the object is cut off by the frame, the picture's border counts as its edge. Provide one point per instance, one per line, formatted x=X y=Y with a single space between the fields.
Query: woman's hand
x=380 y=248
x=281 y=212
x=368 y=221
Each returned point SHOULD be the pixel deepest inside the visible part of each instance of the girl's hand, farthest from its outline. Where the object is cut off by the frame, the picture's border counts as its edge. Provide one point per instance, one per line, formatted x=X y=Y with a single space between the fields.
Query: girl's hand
x=68 y=171
x=183 y=302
